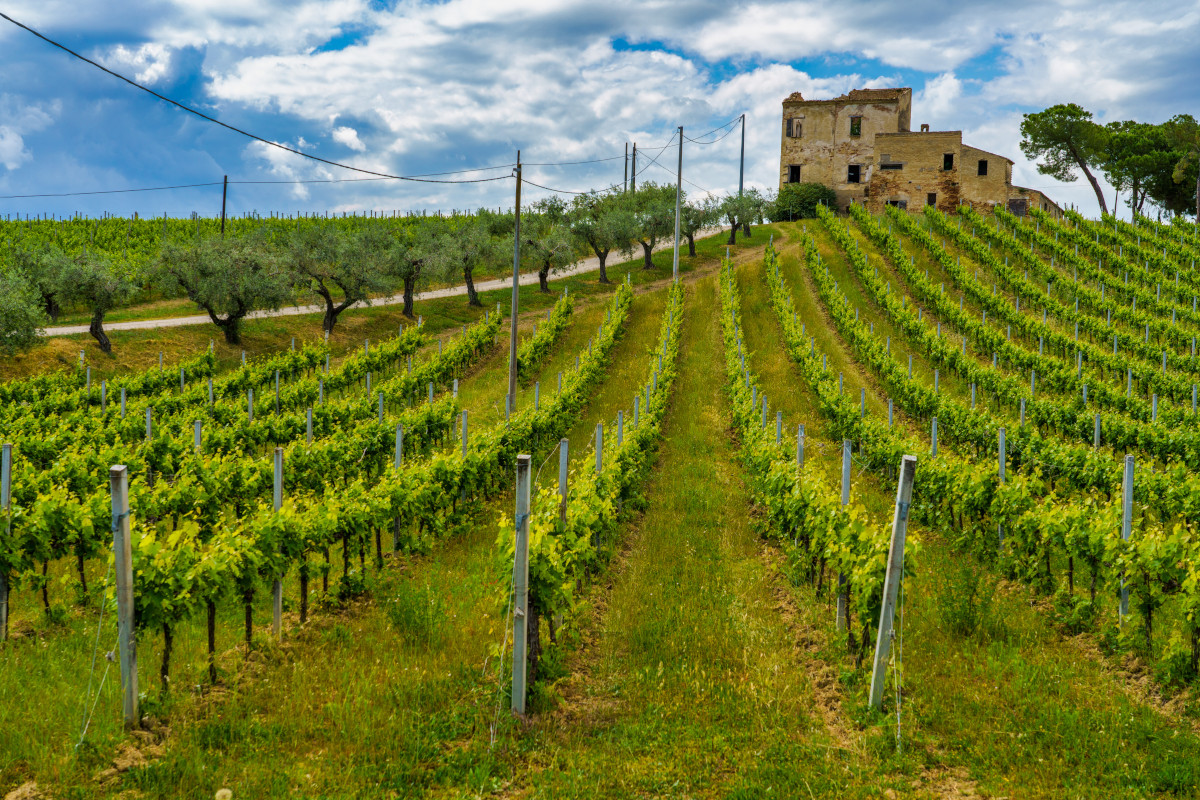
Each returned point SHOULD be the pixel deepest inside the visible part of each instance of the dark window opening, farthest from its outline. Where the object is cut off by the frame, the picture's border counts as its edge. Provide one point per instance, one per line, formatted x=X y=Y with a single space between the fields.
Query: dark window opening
x=794 y=173
x=900 y=204
x=856 y=126
x=948 y=161
x=891 y=166
x=931 y=199
x=854 y=174
x=983 y=166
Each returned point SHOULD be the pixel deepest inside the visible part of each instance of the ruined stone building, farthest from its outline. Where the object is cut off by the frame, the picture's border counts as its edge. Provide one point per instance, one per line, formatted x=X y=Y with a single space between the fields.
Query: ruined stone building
x=861 y=145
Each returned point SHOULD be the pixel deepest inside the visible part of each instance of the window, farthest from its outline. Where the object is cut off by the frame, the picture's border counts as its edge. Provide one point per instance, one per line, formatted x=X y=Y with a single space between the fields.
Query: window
x=948 y=161
x=931 y=199
x=794 y=173
x=856 y=126
x=900 y=204
x=854 y=174
x=891 y=166
x=794 y=128
x=983 y=166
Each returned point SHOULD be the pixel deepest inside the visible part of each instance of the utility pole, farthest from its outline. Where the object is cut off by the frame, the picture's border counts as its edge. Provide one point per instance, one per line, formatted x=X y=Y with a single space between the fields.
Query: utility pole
x=633 y=170
x=511 y=400
x=678 y=196
x=626 y=182
x=224 y=195
x=742 y=168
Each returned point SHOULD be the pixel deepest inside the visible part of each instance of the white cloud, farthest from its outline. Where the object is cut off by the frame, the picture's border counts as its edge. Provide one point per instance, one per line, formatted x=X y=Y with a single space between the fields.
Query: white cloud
x=148 y=63
x=348 y=137
x=20 y=120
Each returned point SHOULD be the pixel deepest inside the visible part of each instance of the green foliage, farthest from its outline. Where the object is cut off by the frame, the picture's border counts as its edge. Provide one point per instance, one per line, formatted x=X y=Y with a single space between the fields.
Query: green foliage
x=227 y=278
x=323 y=260
x=548 y=331
x=965 y=601
x=21 y=314
x=1065 y=138
x=799 y=201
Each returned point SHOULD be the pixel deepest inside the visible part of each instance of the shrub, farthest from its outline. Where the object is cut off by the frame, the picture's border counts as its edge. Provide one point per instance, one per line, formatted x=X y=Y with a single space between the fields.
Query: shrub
x=800 y=201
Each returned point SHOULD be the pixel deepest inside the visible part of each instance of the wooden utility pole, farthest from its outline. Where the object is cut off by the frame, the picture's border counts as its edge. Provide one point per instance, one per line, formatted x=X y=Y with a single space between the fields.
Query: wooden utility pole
x=742 y=168
x=633 y=170
x=511 y=400
x=224 y=195
x=678 y=198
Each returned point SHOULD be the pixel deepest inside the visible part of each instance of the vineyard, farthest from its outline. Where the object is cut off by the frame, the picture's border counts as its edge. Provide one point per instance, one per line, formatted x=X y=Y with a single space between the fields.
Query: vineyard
x=357 y=569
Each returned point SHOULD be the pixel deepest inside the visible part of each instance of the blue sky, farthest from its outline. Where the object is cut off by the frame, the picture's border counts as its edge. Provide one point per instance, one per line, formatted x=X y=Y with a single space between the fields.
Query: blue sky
x=408 y=87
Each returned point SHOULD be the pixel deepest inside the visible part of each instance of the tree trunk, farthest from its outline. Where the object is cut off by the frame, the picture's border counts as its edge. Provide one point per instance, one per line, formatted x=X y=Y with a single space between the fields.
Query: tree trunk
x=647 y=255
x=82 y=576
x=603 y=273
x=472 y=295
x=165 y=671
x=97 y=331
x=732 y=234
x=1095 y=186
x=304 y=591
x=409 y=285
x=231 y=327
x=45 y=586
x=248 y=601
x=544 y=278
x=746 y=229
x=535 y=640
x=330 y=318
x=212 y=641
x=1198 y=199
x=691 y=237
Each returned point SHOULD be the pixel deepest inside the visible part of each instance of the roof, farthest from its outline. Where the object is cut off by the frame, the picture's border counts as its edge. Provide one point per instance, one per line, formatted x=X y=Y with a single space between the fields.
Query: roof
x=855 y=96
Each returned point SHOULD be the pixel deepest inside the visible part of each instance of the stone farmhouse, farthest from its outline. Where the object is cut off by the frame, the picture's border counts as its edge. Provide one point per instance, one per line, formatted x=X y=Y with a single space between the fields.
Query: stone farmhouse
x=862 y=146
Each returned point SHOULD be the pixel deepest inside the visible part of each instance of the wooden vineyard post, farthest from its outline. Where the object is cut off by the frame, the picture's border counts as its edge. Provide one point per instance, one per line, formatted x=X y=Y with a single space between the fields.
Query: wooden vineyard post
x=933 y=438
x=1126 y=527
x=122 y=402
x=277 y=587
x=563 y=461
x=5 y=506
x=308 y=426
x=118 y=479
x=521 y=585
x=892 y=579
x=800 y=446
x=842 y=599
x=397 y=463
x=196 y=436
x=1002 y=447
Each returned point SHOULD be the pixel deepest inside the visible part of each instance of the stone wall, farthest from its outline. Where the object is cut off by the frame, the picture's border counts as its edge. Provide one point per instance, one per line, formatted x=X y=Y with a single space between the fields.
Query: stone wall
x=824 y=150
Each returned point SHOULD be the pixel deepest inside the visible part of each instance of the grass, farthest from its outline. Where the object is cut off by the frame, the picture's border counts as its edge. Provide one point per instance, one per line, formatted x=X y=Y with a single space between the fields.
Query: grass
x=698 y=670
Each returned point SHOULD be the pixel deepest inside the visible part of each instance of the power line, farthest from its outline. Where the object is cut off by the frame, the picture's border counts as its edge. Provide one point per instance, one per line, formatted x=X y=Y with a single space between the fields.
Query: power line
x=714 y=130
x=107 y=191
x=216 y=121
x=236 y=183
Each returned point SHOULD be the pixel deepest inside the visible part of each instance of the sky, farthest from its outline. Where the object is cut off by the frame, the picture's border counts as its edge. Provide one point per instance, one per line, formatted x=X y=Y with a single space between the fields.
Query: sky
x=413 y=88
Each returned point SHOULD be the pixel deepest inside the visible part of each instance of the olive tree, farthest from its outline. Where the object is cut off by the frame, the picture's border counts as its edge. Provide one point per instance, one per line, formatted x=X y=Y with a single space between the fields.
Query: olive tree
x=547 y=239
x=654 y=217
x=465 y=248
x=226 y=278
x=739 y=211
x=695 y=217
x=407 y=257
x=604 y=223
x=323 y=258
x=22 y=316
x=39 y=267
x=93 y=281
